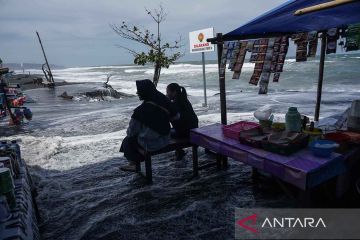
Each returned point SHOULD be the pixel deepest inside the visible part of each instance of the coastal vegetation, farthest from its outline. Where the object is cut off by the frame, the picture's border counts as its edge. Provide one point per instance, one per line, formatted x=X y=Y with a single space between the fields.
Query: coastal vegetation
x=159 y=53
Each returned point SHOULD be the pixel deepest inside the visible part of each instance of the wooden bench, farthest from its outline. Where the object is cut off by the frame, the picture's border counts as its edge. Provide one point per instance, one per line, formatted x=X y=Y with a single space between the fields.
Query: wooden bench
x=174 y=144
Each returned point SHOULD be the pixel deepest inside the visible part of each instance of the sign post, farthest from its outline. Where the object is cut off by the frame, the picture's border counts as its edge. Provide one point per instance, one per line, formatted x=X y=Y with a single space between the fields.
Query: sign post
x=198 y=44
x=204 y=78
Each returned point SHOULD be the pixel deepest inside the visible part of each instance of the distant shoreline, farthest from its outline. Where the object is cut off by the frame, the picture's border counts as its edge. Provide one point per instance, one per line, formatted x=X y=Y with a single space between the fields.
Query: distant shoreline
x=29 y=81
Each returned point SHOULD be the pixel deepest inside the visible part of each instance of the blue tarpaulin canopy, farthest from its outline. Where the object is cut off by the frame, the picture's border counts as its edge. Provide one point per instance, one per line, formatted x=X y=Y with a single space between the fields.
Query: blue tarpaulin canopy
x=281 y=20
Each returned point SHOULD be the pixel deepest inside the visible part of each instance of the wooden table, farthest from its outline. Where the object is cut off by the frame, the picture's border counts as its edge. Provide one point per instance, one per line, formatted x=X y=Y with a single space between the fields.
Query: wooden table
x=300 y=169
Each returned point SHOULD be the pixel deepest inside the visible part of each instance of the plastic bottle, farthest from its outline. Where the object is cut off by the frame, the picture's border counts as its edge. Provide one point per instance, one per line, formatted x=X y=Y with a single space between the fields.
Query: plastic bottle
x=293 y=120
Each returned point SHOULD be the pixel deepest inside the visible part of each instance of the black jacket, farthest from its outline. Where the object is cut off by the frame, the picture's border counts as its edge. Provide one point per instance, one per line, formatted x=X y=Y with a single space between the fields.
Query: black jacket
x=156 y=110
x=188 y=119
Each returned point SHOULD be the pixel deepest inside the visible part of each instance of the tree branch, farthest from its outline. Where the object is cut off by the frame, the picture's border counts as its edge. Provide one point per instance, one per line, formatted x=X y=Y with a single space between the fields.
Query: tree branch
x=132 y=52
x=134 y=34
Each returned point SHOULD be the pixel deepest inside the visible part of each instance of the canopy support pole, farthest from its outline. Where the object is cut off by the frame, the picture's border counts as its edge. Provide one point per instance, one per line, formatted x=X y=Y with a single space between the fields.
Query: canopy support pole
x=323 y=6
x=220 y=47
x=321 y=76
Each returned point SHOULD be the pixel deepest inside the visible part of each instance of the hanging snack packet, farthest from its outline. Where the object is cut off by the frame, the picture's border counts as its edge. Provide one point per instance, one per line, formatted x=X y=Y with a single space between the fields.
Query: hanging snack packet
x=255 y=77
x=301 y=51
x=279 y=67
x=254 y=51
x=241 y=57
x=259 y=50
x=281 y=58
x=231 y=46
x=276 y=77
x=332 y=37
x=275 y=55
x=224 y=59
x=301 y=41
x=250 y=45
x=264 y=83
x=240 y=60
x=284 y=45
x=234 y=55
x=313 y=43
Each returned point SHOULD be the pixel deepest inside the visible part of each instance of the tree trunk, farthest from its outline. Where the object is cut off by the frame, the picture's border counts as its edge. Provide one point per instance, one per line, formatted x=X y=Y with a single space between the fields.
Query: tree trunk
x=156 y=74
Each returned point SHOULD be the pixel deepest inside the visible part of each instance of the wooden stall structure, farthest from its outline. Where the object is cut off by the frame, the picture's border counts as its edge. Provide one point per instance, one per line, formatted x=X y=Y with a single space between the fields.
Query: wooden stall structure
x=290 y=18
x=301 y=170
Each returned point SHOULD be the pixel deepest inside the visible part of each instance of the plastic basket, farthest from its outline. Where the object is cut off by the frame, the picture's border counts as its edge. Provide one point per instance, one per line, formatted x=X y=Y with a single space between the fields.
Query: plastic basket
x=252 y=137
x=233 y=130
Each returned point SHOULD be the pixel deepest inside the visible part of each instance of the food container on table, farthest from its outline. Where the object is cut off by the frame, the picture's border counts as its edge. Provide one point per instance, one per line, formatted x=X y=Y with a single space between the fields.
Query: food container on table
x=233 y=130
x=263 y=114
x=253 y=137
x=285 y=143
x=323 y=148
x=265 y=124
x=354 y=137
x=340 y=138
x=278 y=127
x=293 y=120
x=315 y=134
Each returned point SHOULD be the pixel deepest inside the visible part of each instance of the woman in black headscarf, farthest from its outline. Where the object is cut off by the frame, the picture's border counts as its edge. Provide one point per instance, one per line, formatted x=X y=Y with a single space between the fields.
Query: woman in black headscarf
x=149 y=127
x=188 y=119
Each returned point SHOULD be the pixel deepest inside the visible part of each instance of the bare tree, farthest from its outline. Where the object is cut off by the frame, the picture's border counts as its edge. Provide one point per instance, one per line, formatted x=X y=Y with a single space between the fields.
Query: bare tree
x=106 y=84
x=157 y=51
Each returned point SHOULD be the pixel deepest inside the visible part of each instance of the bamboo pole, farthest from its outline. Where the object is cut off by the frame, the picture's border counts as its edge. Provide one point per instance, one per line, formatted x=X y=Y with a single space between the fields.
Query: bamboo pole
x=221 y=80
x=46 y=61
x=323 y=6
x=321 y=77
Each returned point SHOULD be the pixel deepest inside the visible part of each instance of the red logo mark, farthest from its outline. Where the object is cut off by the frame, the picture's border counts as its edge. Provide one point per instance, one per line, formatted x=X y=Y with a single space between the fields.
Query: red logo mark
x=252 y=220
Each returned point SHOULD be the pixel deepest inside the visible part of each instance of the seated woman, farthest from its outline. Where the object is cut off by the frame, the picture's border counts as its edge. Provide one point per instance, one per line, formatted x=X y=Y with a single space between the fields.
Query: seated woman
x=188 y=119
x=149 y=126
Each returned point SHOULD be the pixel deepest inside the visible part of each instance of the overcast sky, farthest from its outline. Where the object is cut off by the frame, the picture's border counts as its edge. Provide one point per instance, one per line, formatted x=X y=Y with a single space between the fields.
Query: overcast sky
x=77 y=32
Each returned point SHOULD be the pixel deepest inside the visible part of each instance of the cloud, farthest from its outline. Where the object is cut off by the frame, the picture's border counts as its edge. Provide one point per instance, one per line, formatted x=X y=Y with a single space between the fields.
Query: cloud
x=77 y=32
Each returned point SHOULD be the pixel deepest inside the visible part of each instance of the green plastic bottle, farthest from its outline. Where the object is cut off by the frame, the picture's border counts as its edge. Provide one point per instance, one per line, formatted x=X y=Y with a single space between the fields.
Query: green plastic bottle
x=293 y=120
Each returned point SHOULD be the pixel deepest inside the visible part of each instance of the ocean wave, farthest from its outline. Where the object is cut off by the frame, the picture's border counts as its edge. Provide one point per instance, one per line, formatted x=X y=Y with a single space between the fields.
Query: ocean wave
x=186 y=69
x=73 y=69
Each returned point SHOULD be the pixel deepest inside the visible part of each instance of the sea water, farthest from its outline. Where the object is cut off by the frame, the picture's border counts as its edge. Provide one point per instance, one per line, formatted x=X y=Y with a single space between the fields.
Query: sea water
x=71 y=147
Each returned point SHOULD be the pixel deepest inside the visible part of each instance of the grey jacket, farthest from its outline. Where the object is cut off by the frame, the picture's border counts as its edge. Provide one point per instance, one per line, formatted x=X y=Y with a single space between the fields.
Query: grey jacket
x=146 y=137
